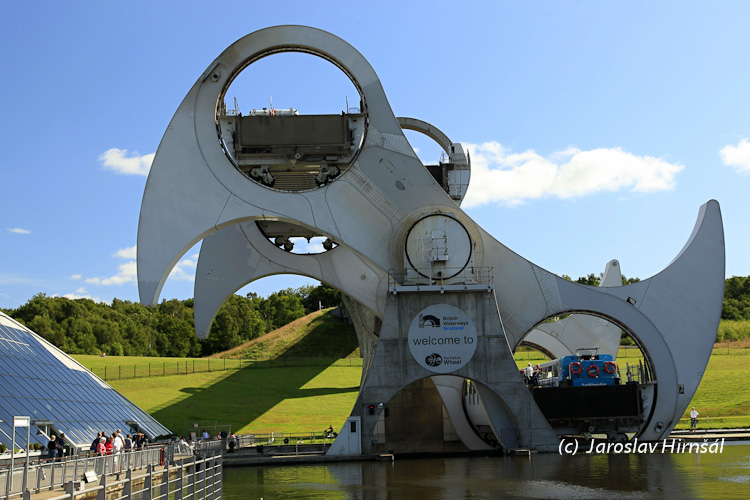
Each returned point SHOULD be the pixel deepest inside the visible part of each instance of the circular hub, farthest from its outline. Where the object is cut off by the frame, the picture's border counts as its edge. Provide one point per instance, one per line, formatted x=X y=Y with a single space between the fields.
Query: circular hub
x=438 y=247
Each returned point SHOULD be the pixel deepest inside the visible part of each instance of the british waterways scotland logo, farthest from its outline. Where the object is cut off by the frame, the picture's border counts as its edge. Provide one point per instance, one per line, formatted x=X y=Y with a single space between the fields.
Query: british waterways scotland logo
x=428 y=320
x=442 y=338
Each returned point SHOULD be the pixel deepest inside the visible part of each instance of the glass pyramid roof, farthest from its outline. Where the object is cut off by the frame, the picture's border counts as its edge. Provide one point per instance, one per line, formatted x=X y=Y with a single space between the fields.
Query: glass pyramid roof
x=40 y=381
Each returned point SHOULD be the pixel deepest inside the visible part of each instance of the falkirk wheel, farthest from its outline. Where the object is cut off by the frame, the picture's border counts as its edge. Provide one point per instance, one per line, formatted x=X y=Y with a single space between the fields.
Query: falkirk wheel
x=439 y=305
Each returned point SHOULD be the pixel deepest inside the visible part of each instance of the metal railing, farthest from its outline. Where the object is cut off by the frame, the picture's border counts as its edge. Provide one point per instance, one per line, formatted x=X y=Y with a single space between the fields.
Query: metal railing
x=469 y=278
x=195 y=478
x=146 y=370
x=635 y=373
x=262 y=441
x=49 y=474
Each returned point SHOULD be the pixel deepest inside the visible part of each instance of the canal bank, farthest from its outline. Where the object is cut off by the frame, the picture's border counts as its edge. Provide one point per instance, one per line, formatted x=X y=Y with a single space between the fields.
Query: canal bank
x=263 y=455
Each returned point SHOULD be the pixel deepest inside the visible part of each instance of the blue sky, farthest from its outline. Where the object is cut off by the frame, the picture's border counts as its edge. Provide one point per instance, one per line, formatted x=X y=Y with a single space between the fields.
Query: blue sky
x=596 y=129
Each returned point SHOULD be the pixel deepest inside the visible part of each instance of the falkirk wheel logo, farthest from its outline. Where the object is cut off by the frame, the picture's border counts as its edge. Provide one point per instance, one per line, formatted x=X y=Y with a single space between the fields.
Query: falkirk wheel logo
x=434 y=360
x=442 y=338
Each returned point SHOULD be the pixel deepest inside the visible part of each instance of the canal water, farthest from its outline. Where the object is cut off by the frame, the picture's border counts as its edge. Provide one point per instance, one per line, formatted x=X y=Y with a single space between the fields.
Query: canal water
x=724 y=476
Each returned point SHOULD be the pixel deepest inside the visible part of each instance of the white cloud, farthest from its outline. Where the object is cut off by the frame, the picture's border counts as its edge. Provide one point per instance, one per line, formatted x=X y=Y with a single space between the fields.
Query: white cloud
x=122 y=162
x=737 y=156
x=126 y=273
x=314 y=246
x=501 y=176
x=127 y=253
x=82 y=295
x=18 y=230
x=184 y=270
x=76 y=276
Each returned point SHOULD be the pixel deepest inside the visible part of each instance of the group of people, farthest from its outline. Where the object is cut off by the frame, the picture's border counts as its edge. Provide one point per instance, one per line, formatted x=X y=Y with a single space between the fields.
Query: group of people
x=115 y=443
x=531 y=374
x=227 y=440
x=56 y=447
x=103 y=444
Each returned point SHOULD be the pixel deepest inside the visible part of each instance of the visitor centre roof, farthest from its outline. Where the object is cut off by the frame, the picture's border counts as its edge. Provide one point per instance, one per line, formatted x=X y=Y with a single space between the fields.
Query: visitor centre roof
x=40 y=381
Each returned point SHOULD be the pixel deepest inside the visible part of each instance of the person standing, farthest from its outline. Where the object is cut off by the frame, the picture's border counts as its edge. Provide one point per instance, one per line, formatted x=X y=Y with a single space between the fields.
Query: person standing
x=95 y=443
x=223 y=436
x=693 y=420
x=61 y=445
x=117 y=442
x=528 y=372
x=52 y=448
x=140 y=441
x=101 y=449
x=117 y=446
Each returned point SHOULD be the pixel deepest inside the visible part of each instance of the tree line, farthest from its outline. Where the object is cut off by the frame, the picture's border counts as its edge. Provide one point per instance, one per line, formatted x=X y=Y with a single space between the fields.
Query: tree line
x=124 y=328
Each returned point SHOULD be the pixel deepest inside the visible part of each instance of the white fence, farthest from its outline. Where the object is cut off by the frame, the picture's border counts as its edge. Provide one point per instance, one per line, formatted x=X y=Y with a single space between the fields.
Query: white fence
x=46 y=475
x=192 y=478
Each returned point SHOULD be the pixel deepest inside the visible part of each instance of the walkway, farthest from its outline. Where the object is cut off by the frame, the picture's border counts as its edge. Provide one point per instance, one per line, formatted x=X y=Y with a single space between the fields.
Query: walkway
x=186 y=475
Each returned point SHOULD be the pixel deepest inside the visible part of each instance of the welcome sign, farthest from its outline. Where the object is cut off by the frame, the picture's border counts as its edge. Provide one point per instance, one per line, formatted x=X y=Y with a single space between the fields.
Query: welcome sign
x=442 y=338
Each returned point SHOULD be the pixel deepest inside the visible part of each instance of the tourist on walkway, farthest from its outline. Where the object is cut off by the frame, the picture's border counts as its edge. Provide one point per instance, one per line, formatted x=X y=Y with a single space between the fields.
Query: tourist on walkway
x=117 y=443
x=52 y=448
x=117 y=446
x=95 y=442
x=693 y=420
x=101 y=448
x=61 y=445
x=140 y=441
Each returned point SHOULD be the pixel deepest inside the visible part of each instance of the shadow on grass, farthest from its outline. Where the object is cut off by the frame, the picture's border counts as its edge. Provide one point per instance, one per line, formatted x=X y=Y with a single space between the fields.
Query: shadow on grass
x=243 y=396
x=329 y=337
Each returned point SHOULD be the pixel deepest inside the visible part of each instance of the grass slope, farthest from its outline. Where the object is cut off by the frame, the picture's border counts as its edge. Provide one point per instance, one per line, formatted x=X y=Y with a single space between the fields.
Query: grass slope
x=723 y=394
x=319 y=334
x=251 y=398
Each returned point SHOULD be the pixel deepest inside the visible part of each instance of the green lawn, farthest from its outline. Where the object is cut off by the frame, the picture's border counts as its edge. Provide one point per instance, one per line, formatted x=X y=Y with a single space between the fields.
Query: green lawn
x=724 y=394
x=295 y=400
x=305 y=399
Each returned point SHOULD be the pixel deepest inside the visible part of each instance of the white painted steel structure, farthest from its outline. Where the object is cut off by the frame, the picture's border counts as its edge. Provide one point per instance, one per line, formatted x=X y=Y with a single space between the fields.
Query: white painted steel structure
x=373 y=210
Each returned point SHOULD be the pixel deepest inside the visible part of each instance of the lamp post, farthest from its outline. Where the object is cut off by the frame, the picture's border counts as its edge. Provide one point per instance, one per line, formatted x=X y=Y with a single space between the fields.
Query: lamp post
x=19 y=422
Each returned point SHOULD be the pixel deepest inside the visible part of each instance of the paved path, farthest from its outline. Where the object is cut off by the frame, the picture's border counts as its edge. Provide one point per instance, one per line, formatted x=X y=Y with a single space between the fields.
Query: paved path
x=111 y=478
x=712 y=434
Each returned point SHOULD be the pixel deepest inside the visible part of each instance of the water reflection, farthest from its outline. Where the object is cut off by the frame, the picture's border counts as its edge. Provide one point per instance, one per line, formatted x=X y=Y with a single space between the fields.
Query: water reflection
x=543 y=476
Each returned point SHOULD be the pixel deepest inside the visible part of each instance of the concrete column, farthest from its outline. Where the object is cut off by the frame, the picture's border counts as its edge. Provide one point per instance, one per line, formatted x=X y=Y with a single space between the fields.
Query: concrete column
x=491 y=365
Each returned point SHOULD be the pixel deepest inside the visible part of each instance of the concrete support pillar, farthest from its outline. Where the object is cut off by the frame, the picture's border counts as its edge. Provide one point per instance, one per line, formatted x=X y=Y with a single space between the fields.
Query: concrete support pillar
x=395 y=364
